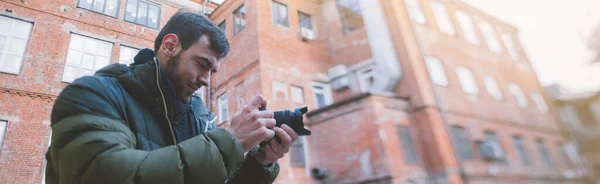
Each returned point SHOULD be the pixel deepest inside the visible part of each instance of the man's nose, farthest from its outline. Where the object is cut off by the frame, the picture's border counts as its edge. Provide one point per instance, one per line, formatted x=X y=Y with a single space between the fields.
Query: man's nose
x=204 y=78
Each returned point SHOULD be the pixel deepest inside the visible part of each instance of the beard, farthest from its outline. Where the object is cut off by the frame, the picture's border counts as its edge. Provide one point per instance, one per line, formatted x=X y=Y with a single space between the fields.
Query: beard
x=178 y=83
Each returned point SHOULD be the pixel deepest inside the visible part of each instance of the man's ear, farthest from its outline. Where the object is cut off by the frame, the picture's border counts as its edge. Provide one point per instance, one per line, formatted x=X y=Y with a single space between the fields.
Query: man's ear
x=170 y=45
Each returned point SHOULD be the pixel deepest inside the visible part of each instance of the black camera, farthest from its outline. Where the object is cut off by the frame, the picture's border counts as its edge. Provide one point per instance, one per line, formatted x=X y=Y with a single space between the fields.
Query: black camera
x=293 y=119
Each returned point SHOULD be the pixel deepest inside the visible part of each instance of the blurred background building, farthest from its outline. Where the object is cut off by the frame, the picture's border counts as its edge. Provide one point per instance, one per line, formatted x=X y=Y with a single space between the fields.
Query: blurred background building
x=412 y=91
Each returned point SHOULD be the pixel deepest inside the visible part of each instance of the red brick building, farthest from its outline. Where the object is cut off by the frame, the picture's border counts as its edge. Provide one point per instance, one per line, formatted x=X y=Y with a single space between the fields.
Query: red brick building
x=42 y=44
x=422 y=91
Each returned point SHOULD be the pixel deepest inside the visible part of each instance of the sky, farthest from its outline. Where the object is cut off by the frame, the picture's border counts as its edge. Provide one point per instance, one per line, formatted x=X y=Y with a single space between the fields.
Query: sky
x=553 y=34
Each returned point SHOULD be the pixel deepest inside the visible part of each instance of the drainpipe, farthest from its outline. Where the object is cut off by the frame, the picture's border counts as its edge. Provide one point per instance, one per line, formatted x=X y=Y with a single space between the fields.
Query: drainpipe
x=388 y=68
x=204 y=7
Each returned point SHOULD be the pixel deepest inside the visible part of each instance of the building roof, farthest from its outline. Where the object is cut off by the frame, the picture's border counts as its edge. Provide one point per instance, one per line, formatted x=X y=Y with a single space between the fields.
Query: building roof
x=558 y=92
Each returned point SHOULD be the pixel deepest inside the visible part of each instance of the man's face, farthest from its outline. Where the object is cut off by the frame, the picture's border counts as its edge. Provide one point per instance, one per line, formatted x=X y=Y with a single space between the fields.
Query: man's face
x=191 y=69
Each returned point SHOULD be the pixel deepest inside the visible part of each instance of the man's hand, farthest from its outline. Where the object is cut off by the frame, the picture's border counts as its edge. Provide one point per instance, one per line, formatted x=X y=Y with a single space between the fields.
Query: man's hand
x=250 y=126
x=274 y=150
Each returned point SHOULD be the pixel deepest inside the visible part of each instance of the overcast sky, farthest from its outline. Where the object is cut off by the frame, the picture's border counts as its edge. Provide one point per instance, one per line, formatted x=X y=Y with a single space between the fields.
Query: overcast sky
x=553 y=33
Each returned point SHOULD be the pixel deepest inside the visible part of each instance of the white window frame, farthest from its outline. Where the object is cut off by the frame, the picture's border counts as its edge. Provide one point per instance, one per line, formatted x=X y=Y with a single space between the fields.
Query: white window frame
x=278 y=7
x=466 y=24
x=84 y=51
x=492 y=87
x=436 y=71
x=467 y=81
x=569 y=115
x=540 y=102
x=415 y=11
x=127 y=61
x=104 y=9
x=297 y=96
x=280 y=86
x=491 y=37
x=202 y=94
x=511 y=47
x=3 y=129
x=518 y=94
x=45 y=160
x=363 y=78
x=223 y=104
x=595 y=109
x=326 y=91
x=443 y=18
x=12 y=34
x=148 y=5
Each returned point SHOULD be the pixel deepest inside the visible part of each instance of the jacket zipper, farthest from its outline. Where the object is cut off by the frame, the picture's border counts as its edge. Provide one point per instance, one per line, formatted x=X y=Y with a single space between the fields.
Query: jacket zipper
x=164 y=102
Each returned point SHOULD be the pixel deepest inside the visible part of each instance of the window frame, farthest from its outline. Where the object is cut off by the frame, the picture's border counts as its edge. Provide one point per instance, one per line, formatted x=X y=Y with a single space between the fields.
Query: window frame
x=464 y=82
x=468 y=28
x=236 y=28
x=220 y=105
x=292 y=87
x=302 y=14
x=513 y=88
x=326 y=91
x=9 y=37
x=415 y=11
x=83 y=52
x=275 y=17
x=121 y=46
x=410 y=154
x=431 y=63
x=511 y=46
x=363 y=76
x=284 y=88
x=490 y=84
x=521 y=149
x=149 y=3
x=539 y=101
x=543 y=151
x=4 y=127
x=117 y=9
x=299 y=144
x=457 y=139
x=490 y=35
x=443 y=18
x=344 y=19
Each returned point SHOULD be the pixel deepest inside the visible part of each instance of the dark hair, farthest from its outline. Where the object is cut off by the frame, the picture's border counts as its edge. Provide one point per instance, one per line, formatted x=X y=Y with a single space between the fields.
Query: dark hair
x=189 y=27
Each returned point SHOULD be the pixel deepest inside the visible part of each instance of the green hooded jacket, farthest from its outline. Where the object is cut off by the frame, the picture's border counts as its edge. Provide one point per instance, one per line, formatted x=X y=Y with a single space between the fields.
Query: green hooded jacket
x=115 y=127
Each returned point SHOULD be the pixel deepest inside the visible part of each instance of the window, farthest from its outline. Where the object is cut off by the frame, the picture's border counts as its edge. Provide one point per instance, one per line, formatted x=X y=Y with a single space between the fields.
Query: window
x=461 y=142
x=297 y=94
x=350 y=15
x=544 y=153
x=466 y=24
x=222 y=26
x=217 y=1
x=365 y=78
x=442 y=17
x=85 y=56
x=127 y=54
x=414 y=11
x=436 y=71
x=280 y=90
x=520 y=146
x=467 y=81
x=512 y=48
x=322 y=94
x=143 y=13
x=202 y=94
x=516 y=91
x=305 y=21
x=408 y=148
x=492 y=87
x=565 y=156
x=14 y=36
x=223 y=108
x=239 y=19
x=106 y=7
x=595 y=108
x=3 y=125
x=45 y=160
x=297 y=153
x=280 y=14
x=491 y=136
x=539 y=101
x=490 y=37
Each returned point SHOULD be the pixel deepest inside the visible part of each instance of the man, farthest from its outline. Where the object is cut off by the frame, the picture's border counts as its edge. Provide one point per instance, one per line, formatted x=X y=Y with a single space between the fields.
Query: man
x=141 y=124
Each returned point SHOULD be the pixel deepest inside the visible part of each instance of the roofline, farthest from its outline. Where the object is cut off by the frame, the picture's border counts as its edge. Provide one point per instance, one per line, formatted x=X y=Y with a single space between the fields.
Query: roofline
x=481 y=12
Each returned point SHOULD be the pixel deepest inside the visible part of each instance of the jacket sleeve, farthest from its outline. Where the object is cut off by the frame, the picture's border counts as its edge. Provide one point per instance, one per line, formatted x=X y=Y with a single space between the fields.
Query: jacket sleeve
x=93 y=148
x=253 y=172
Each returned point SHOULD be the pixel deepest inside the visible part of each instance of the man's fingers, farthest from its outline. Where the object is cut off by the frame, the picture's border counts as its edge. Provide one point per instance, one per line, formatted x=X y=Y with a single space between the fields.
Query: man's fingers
x=277 y=149
x=268 y=122
x=290 y=132
x=270 y=153
x=265 y=114
x=266 y=133
x=286 y=140
x=258 y=101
